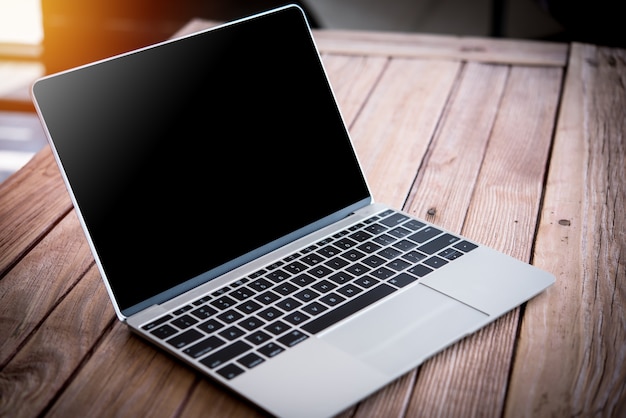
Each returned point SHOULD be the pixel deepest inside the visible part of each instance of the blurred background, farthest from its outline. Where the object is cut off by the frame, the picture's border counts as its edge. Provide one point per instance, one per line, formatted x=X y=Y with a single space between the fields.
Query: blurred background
x=39 y=37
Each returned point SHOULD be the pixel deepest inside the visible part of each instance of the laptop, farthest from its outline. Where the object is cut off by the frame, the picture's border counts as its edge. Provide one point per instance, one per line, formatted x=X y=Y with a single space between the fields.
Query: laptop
x=233 y=226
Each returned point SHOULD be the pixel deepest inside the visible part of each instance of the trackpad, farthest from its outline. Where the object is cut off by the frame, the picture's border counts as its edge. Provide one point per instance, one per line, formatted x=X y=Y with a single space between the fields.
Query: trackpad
x=401 y=333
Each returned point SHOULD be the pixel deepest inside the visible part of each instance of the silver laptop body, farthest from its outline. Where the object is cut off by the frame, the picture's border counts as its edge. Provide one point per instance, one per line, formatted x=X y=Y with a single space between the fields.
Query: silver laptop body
x=233 y=226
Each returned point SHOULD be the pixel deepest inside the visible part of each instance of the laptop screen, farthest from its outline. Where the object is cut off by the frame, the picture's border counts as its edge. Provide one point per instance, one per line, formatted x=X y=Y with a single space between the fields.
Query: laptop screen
x=191 y=154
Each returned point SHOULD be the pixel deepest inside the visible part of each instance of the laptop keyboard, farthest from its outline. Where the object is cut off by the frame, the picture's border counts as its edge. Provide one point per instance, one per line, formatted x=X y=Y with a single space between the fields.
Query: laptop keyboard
x=258 y=317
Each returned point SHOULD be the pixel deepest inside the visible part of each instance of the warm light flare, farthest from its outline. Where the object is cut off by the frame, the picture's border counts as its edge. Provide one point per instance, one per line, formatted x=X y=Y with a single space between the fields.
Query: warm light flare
x=21 y=22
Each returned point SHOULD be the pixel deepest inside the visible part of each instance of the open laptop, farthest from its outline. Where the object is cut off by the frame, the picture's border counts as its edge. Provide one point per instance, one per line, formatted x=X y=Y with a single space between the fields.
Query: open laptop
x=233 y=226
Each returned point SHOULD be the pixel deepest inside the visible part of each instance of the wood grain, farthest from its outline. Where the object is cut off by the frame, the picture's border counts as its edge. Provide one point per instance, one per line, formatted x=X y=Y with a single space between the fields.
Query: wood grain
x=444 y=186
x=32 y=289
x=412 y=45
x=442 y=130
x=575 y=336
x=396 y=124
x=125 y=377
x=29 y=382
x=38 y=182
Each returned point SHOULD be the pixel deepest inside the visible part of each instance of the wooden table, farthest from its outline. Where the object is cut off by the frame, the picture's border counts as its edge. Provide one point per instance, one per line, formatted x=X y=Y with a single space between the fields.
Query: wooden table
x=518 y=145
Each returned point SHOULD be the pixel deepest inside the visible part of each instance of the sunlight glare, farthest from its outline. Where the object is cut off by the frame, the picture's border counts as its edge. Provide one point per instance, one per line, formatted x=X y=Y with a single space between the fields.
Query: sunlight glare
x=21 y=22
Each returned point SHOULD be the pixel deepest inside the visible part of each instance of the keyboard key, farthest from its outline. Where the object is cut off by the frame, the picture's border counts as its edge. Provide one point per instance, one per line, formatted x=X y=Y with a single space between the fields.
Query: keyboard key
x=398 y=264
x=424 y=235
x=242 y=293
x=225 y=354
x=277 y=327
x=332 y=299
x=270 y=314
x=251 y=323
x=203 y=312
x=382 y=273
x=278 y=276
x=376 y=229
x=347 y=309
x=258 y=337
x=329 y=251
x=267 y=297
x=438 y=244
x=296 y=318
x=389 y=253
x=223 y=302
x=219 y=292
x=164 y=331
x=306 y=295
x=285 y=288
x=349 y=290
x=414 y=256
x=341 y=277
x=295 y=267
x=250 y=360
x=230 y=316
x=385 y=239
x=360 y=236
x=320 y=271
x=395 y=219
x=249 y=306
x=302 y=280
x=314 y=308
x=271 y=350
x=374 y=261
x=230 y=371
x=414 y=225
x=288 y=304
x=420 y=270
x=435 y=262
x=353 y=255
x=202 y=300
x=465 y=246
x=369 y=247
x=204 y=347
x=157 y=322
x=402 y=279
x=232 y=333
x=399 y=232
x=260 y=285
x=292 y=338
x=336 y=263
x=183 y=310
x=185 y=338
x=324 y=286
x=312 y=259
x=450 y=254
x=357 y=269
x=184 y=321
x=210 y=326
x=345 y=243
x=366 y=282
x=404 y=245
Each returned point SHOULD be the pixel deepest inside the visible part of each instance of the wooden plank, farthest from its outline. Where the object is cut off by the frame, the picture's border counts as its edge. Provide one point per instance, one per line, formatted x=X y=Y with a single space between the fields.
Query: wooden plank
x=510 y=187
x=352 y=79
x=56 y=349
x=513 y=165
x=38 y=190
x=40 y=280
x=444 y=186
x=392 y=132
x=207 y=399
x=126 y=377
x=575 y=339
x=412 y=45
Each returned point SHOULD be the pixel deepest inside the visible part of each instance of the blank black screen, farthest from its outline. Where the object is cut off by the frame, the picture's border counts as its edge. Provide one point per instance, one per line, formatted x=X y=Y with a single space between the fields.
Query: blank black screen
x=188 y=154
